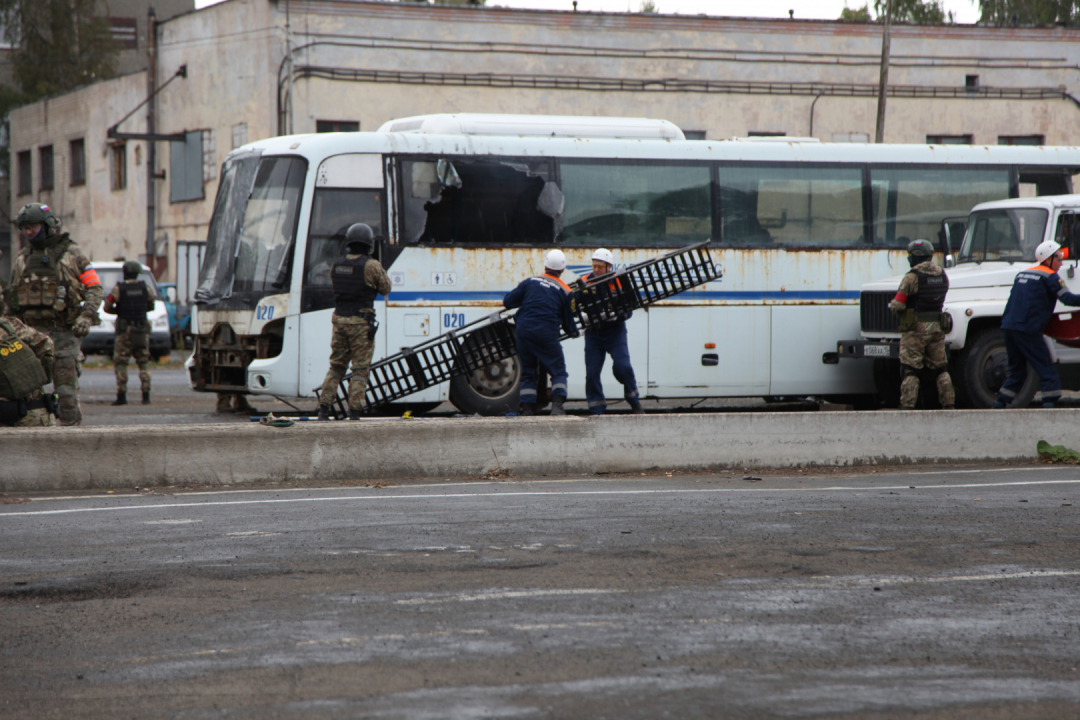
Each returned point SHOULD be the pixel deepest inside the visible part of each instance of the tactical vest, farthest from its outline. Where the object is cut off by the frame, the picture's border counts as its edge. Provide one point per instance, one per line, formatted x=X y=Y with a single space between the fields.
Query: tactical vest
x=132 y=305
x=931 y=294
x=21 y=373
x=351 y=293
x=48 y=297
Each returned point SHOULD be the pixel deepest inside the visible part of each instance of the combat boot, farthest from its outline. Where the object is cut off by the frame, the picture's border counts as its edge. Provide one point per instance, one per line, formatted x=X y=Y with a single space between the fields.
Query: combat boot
x=146 y=397
x=354 y=414
x=121 y=398
x=324 y=412
x=241 y=405
x=635 y=406
x=528 y=409
x=556 y=406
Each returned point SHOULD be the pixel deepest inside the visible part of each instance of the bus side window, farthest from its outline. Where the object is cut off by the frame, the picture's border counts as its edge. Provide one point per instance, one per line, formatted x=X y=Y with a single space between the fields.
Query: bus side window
x=479 y=202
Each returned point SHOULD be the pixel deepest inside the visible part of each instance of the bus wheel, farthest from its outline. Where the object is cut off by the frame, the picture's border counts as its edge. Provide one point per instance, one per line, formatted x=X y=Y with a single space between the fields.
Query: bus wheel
x=980 y=370
x=491 y=390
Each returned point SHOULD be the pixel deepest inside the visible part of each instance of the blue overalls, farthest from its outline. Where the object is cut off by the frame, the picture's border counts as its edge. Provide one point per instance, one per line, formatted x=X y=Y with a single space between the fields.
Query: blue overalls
x=544 y=304
x=1034 y=294
x=608 y=338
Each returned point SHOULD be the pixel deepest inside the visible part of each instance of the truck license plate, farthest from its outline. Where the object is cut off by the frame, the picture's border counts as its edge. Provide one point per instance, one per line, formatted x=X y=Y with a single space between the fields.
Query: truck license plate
x=877 y=350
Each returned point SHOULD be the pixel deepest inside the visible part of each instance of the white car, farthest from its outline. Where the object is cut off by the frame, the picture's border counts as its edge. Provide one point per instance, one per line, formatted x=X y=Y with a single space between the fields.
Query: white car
x=100 y=339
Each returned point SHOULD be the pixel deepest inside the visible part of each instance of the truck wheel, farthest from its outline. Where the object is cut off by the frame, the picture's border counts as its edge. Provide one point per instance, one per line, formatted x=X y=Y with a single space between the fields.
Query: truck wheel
x=491 y=390
x=980 y=370
x=887 y=382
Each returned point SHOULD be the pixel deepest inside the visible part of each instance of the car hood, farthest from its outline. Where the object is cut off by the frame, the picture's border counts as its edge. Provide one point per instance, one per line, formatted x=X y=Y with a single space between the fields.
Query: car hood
x=967 y=275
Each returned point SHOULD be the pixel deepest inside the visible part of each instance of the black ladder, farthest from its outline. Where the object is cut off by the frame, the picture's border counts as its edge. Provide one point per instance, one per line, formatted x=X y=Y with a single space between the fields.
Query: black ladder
x=490 y=339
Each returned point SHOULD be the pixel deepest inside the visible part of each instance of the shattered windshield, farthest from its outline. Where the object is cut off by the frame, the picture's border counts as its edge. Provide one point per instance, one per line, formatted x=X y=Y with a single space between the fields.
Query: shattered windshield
x=480 y=202
x=264 y=257
x=216 y=271
x=1005 y=235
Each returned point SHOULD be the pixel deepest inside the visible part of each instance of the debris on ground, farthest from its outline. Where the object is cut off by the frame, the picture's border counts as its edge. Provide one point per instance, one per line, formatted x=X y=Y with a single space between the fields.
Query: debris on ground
x=276 y=421
x=1056 y=453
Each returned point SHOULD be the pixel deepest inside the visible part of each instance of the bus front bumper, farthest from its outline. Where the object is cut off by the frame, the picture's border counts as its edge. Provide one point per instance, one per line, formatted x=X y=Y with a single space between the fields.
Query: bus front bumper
x=868 y=349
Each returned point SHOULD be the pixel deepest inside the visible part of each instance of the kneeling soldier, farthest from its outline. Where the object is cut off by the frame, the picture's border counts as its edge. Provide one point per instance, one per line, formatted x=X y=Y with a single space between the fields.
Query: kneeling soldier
x=26 y=364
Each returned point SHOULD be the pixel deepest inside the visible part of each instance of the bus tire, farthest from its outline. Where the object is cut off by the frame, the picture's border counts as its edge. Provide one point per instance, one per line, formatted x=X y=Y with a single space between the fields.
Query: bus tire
x=491 y=390
x=979 y=371
x=887 y=382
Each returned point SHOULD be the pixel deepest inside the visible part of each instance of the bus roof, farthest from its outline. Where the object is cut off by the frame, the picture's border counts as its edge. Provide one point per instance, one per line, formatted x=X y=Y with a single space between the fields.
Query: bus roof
x=535 y=126
x=317 y=147
x=1048 y=202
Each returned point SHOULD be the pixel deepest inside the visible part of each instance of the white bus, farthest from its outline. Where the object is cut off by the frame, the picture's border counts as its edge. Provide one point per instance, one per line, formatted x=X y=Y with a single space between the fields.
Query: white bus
x=469 y=204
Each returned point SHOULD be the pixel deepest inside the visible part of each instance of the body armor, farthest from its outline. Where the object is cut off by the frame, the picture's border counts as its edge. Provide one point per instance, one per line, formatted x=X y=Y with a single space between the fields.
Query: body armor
x=43 y=294
x=21 y=373
x=133 y=303
x=352 y=294
x=931 y=295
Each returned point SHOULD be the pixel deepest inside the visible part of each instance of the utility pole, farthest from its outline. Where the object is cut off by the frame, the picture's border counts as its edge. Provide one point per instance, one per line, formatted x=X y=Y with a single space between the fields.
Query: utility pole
x=151 y=146
x=288 y=50
x=883 y=83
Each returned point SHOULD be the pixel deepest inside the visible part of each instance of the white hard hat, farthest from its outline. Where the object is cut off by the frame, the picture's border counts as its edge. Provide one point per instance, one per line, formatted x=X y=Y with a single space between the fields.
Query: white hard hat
x=604 y=255
x=555 y=260
x=1045 y=250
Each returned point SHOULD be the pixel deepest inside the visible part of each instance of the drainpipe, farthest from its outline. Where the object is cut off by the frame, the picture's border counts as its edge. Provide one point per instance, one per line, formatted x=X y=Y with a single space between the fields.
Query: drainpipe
x=288 y=50
x=151 y=146
x=879 y=135
x=816 y=98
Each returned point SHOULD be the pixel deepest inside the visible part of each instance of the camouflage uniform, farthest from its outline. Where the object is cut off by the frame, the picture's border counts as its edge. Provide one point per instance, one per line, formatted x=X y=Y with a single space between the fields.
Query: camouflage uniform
x=125 y=346
x=350 y=343
x=923 y=347
x=65 y=318
x=42 y=347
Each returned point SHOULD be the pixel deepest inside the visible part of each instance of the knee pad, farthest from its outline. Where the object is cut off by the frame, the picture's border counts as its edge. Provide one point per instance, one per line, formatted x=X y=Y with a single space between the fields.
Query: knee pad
x=907 y=371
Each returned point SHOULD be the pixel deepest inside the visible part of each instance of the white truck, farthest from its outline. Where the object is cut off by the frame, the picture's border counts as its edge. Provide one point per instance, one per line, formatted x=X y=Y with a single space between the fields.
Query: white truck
x=998 y=241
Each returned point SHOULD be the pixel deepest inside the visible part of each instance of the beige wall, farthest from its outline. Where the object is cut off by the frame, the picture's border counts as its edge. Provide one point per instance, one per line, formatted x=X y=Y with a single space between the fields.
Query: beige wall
x=727 y=77
x=106 y=223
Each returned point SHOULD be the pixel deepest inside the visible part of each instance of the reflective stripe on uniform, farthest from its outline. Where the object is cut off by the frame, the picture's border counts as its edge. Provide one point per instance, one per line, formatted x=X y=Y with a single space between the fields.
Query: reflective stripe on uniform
x=89 y=278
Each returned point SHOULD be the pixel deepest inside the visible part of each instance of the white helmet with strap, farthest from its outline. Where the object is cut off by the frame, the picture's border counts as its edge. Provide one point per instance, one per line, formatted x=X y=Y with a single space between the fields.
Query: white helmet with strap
x=604 y=255
x=1045 y=249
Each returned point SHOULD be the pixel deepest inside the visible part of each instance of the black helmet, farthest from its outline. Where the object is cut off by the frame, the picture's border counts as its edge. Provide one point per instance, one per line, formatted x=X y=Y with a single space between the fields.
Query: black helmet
x=132 y=269
x=359 y=238
x=920 y=248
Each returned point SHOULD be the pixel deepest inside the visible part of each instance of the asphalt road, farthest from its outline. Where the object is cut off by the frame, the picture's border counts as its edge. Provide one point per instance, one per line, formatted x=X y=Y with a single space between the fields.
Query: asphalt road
x=928 y=593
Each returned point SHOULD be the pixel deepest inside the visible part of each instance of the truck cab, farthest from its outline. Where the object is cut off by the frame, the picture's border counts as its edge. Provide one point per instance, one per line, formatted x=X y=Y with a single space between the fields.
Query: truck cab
x=999 y=241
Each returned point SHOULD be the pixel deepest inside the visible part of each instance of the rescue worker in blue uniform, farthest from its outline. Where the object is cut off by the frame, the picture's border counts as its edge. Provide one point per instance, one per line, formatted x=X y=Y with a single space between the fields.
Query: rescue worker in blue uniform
x=1035 y=292
x=545 y=304
x=608 y=337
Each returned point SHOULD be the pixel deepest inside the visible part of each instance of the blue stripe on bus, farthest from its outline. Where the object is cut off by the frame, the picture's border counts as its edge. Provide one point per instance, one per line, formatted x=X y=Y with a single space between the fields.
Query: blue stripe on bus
x=474 y=296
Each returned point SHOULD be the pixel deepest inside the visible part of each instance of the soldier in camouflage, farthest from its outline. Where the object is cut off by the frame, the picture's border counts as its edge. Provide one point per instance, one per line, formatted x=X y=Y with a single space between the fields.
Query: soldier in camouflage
x=130 y=300
x=922 y=335
x=26 y=366
x=357 y=279
x=55 y=290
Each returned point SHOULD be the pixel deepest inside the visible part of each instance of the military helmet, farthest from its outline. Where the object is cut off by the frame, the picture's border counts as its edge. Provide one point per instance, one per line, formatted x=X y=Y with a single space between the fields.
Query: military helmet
x=360 y=237
x=37 y=214
x=920 y=248
x=132 y=268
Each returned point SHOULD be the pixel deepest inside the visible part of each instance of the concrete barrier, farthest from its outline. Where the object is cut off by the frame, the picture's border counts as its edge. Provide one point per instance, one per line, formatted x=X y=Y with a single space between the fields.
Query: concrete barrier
x=146 y=456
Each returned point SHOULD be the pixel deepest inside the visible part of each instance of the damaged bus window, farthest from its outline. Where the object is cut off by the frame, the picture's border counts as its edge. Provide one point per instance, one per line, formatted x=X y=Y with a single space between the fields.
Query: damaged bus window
x=263 y=260
x=479 y=202
x=333 y=210
x=643 y=203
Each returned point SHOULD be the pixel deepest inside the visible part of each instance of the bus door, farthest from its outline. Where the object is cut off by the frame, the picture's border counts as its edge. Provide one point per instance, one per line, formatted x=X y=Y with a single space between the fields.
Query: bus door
x=348 y=189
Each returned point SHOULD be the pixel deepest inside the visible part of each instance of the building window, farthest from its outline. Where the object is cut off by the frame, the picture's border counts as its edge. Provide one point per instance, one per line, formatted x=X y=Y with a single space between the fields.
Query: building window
x=1021 y=140
x=186 y=168
x=851 y=137
x=950 y=139
x=971 y=82
x=209 y=156
x=766 y=133
x=119 y=167
x=239 y=135
x=78 y=162
x=45 y=156
x=694 y=134
x=322 y=126
x=26 y=173
x=125 y=32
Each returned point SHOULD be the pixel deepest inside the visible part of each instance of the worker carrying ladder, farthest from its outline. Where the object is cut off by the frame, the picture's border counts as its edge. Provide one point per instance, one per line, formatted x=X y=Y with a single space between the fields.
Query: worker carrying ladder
x=491 y=339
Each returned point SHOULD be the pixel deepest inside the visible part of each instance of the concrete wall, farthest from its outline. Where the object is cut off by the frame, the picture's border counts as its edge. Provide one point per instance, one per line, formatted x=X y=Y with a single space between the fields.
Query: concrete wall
x=125 y=457
x=369 y=62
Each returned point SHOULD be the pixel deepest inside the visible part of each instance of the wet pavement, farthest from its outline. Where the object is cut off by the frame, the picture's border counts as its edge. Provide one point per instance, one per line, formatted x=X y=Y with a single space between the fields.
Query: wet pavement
x=925 y=592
